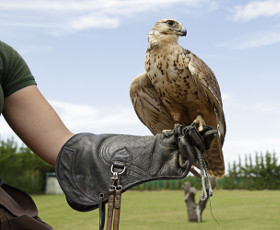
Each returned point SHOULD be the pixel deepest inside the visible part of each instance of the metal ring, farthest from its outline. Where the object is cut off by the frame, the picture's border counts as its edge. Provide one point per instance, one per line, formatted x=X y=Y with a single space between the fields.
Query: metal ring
x=118 y=187
x=101 y=195
x=118 y=173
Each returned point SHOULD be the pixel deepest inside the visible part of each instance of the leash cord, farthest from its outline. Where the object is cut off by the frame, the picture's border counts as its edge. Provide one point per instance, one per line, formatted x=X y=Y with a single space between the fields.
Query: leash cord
x=212 y=214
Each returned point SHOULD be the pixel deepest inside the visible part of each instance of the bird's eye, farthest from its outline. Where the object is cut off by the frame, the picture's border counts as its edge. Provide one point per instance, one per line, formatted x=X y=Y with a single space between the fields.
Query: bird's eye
x=169 y=22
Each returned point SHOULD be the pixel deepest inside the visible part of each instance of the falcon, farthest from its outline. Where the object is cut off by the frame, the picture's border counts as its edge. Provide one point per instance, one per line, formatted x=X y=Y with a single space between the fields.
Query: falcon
x=178 y=87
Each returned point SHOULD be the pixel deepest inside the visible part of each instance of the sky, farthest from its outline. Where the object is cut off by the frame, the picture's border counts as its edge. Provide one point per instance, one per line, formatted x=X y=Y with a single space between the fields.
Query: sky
x=84 y=54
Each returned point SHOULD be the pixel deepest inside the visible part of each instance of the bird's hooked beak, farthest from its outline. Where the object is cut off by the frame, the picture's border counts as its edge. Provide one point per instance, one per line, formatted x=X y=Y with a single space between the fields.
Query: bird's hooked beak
x=182 y=31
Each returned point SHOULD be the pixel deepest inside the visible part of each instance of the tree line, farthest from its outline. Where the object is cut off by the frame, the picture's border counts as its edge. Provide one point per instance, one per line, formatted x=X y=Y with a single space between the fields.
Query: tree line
x=261 y=171
x=22 y=168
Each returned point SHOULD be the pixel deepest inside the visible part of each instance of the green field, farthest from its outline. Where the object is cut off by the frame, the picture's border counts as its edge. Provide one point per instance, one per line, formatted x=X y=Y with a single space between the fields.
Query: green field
x=166 y=210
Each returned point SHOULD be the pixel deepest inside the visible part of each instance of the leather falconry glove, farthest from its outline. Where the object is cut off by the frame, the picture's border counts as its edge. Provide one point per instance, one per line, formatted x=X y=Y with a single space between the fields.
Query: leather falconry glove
x=86 y=162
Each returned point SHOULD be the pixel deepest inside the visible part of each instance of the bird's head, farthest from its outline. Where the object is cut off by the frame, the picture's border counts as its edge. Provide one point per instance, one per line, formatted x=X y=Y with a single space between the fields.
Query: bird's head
x=166 y=30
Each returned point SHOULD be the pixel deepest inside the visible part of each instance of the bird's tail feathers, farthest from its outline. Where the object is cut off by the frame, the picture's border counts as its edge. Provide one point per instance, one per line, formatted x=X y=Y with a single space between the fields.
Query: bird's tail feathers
x=215 y=159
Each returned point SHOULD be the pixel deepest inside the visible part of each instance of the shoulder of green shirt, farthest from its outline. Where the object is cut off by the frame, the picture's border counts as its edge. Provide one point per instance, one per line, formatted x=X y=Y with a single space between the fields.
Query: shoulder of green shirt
x=15 y=73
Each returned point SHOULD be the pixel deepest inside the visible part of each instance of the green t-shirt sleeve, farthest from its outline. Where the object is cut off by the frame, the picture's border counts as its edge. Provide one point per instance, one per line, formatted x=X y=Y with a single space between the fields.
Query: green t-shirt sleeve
x=14 y=72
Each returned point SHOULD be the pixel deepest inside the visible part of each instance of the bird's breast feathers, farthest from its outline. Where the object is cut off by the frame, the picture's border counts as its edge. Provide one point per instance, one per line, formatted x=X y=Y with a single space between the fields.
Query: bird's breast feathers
x=169 y=73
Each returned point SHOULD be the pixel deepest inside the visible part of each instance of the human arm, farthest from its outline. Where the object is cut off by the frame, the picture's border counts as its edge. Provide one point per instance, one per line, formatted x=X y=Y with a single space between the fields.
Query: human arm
x=37 y=124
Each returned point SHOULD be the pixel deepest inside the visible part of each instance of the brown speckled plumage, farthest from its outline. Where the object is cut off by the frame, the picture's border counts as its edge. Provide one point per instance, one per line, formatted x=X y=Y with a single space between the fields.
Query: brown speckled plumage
x=176 y=87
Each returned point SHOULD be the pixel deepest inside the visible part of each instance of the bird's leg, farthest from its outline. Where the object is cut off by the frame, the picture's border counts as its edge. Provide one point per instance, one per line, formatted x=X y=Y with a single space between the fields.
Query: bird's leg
x=194 y=172
x=200 y=122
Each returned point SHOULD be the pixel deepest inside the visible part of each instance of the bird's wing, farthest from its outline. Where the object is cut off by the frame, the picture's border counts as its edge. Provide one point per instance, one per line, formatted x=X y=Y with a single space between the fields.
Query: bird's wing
x=207 y=80
x=205 y=75
x=148 y=105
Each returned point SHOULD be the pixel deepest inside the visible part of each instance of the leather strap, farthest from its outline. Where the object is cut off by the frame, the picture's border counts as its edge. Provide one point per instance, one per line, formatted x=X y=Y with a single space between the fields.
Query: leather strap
x=117 y=207
x=102 y=212
x=114 y=202
x=111 y=201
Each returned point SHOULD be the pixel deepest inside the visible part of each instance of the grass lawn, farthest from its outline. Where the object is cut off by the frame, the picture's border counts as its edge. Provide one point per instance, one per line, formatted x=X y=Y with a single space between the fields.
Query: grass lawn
x=166 y=210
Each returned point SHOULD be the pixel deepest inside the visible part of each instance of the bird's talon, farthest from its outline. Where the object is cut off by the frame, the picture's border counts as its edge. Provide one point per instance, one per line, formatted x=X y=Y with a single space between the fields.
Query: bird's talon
x=199 y=122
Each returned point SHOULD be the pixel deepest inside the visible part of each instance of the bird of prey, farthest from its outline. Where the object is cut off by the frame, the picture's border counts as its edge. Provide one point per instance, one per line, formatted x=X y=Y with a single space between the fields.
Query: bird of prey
x=178 y=87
